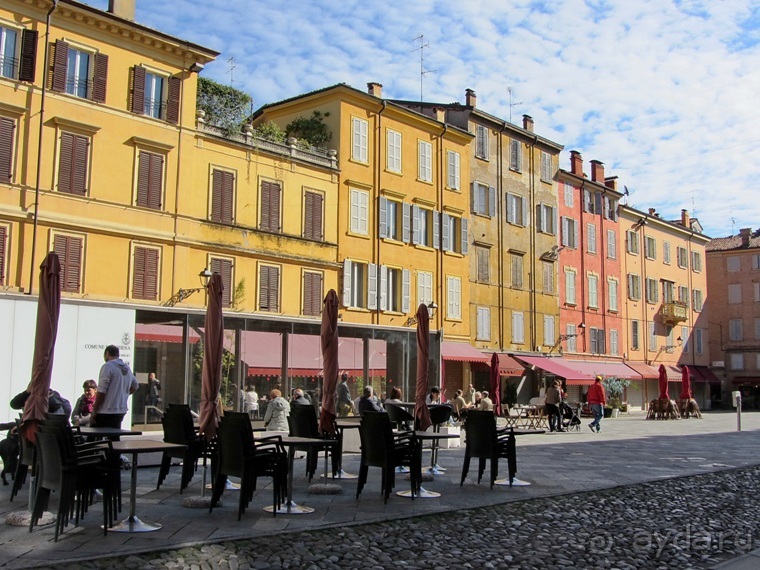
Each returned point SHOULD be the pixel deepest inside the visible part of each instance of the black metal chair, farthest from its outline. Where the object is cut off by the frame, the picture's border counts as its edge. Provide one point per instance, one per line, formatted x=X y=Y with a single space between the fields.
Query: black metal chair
x=399 y=416
x=178 y=428
x=485 y=442
x=27 y=460
x=302 y=422
x=439 y=415
x=382 y=448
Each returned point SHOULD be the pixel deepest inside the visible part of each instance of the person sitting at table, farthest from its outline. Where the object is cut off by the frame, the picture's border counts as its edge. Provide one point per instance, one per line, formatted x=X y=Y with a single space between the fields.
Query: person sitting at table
x=299 y=398
x=278 y=410
x=459 y=405
x=367 y=402
x=57 y=404
x=476 y=402
x=551 y=404
x=395 y=396
x=485 y=402
x=82 y=412
x=434 y=397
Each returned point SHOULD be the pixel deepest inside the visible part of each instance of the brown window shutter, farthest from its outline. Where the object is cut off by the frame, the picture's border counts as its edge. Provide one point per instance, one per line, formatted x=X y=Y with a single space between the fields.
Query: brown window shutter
x=312 y=294
x=151 y=274
x=274 y=220
x=28 y=60
x=143 y=176
x=138 y=90
x=228 y=187
x=138 y=274
x=65 y=165
x=216 y=196
x=274 y=288
x=7 y=127
x=60 y=61
x=222 y=196
x=99 y=78
x=224 y=268
x=317 y=293
x=79 y=165
x=3 y=248
x=308 y=217
x=318 y=224
x=172 y=103
x=69 y=251
x=156 y=181
x=264 y=288
x=307 y=294
x=265 y=205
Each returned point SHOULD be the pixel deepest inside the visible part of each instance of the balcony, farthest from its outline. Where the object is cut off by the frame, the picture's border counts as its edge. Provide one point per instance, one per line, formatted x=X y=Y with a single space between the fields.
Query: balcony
x=674 y=312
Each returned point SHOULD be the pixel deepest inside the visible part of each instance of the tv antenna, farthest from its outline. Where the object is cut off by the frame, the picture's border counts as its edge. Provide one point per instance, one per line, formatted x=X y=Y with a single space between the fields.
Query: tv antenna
x=733 y=220
x=512 y=103
x=421 y=49
x=232 y=66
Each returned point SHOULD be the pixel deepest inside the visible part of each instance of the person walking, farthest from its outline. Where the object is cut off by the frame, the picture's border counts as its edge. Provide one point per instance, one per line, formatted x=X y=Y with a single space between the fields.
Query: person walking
x=345 y=404
x=551 y=404
x=116 y=384
x=596 y=399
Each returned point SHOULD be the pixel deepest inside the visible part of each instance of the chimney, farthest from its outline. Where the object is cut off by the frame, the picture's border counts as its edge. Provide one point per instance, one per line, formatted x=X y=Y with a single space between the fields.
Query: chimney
x=652 y=211
x=375 y=89
x=611 y=182
x=528 y=123
x=470 y=98
x=122 y=8
x=685 y=219
x=597 y=171
x=440 y=115
x=745 y=233
x=576 y=163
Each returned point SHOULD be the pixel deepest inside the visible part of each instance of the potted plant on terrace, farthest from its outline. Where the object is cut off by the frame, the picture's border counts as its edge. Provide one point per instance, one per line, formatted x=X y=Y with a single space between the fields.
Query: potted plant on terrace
x=614 y=388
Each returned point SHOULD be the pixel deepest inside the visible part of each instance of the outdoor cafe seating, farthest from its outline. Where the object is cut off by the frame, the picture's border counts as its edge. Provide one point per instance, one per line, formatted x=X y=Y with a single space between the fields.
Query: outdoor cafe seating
x=178 y=428
x=663 y=409
x=484 y=442
x=302 y=422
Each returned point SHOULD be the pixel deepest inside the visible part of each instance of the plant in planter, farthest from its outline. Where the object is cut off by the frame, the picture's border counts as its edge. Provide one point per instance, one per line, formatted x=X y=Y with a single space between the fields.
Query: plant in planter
x=614 y=388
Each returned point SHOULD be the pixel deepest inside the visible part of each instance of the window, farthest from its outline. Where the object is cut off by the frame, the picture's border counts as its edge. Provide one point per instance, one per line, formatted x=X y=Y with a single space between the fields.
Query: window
x=72 y=164
x=569 y=195
x=610 y=209
x=155 y=95
x=391 y=224
x=698 y=342
x=516 y=206
x=222 y=196
x=224 y=268
x=454 y=234
x=546 y=220
x=612 y=292
x=453 y=172
x=425 y=161
x=632 y=242
x=650 y=248
x=735 y=329
x=734 y=293
x=757 y=329
x=79 y=73
x=270 y=197
x=359 y=211
x=546 y=167
x=569 y=234
x=394 y=289
x=7 y=128
x=697 y=301
x=424 y=288
x=696 y=261
x=635 y=335
x=613 y=342
x=518 y=327
x=269 y=288
x=313 y=216
x=549 y=336
x=393 y=158
x=425 y=227
x=756 y=261
x=454 y=297
x=682 y=257
x=484 y=324
x=737 y=361
x=484 y=265
x=634 y=287
x=355 y=284
x=652 y=294
x=15 y=63
x=548 y=277
x=734 y=263
x=69 y=250
x=588 y=201
x=515 y=155
x=652 y=337
x=668 y=291
x=517 y=270
x=359 y=139
x=685 y=339
x=570 y=287
x=312 y=294
x=593 y=291
x=481 y=142
x=572 y=344
x=145 y=273
x=591 y=238
x=683 y=294
x=150 y=180
x=8 y=46
x=756 y=287
x=483 y=199
x=597 y=341
x=611 y=244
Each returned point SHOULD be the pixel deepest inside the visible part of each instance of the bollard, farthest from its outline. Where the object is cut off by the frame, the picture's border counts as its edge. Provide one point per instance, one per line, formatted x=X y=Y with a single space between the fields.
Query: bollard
x=737 y=401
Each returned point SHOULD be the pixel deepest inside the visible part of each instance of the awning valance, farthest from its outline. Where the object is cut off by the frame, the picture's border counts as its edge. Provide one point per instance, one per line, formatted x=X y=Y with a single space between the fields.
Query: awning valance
x=557 y=366
x=702 y=374
x=673 y=372
x=646 y=371
x=508 y=366
x=750 y=380
x=461 y=352
x=605 y=368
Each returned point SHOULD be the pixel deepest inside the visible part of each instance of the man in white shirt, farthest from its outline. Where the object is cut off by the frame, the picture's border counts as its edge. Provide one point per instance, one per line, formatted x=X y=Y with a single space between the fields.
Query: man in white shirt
x=116 y=384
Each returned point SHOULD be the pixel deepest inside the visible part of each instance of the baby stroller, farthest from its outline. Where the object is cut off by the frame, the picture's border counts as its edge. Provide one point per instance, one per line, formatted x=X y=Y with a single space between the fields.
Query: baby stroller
x=570 y=419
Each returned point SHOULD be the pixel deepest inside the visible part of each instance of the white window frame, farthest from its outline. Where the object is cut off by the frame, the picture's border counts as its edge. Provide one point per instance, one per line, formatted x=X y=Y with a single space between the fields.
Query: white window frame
x=682 y=257
x=550 y=335
x=481 y=142
x=483 y=324
x=593 y=291
x=425 y=161
x=734 y=293
x=735 y=330
x=652 y=336
x=612 y=293
x=611 y=244
x=571 y=343
x=424 y=288
x=546 y=167
x=650 y=247
x=733 y=263
x=570 y=287
x=154 y=99
x=569 y=195
x=518 y=327
x=515 y=209
x=697 y=299
x=634 y=287
x=569 y=233
x=546 y=219
x=591 y=238
x=453 y=178
x=696 y=262
x=614 y=342
x=652 y=292
x=632 y=242
x=14 y=59
x=393 y=151
x=73 y=81
x=685 y=339
x=359 y=139
x=359 y=212
x=453 y=297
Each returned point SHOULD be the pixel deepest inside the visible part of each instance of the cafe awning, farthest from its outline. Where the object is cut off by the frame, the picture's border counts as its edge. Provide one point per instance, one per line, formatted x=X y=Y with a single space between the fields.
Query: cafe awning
x=605 y=368
x=462 y=352
x=508 y=366
x=746 y=380
x=702 y=374
x=557 y=366
x=673 y=372
x=646 y=371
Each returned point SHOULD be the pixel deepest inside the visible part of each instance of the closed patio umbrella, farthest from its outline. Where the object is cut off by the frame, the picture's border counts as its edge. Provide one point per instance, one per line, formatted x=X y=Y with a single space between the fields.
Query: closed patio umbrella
x=211 y=378
x=685 y=384
x=495 y=384
x=421 y=412
x=329 y=337
x=663 y=383
x=48 y=310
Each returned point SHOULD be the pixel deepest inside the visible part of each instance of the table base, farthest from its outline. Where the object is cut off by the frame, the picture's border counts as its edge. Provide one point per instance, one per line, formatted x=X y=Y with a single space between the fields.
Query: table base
x=290 y=509
x=421 y=494
x=435 y=470
x=341 y=475
x=515 y=482
x=133 y=524
x=229 y=486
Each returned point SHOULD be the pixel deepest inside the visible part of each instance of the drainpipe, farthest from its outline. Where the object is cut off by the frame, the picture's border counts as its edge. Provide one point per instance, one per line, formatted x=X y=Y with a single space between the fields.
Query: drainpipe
x=439 y=312
x=582 y=272
x=532 y=280
x=603 y=274
x=644 y=292
x=376 y=201
x=39 y=146
x=500 y=233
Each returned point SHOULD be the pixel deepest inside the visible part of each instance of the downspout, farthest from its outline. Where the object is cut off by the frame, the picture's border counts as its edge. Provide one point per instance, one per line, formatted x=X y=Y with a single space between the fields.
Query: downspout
x=500 y=234
x=582 y=273
x=39 y=146
x=603 y=274
x=376 y=201
x=532 y=280
x=438 y=317
x=644 y=292
x=691 y=307
x=176 y=184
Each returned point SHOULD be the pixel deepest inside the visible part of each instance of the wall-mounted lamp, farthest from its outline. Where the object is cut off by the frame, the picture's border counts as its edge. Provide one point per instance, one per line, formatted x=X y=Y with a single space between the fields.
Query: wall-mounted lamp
x=195 y=67
x=183 y=294
x=564 y=337
x=432 y=307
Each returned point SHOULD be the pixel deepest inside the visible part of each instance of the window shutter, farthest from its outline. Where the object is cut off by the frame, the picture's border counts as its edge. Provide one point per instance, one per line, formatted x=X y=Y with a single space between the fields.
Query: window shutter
x=465 y=237
x=372 y=287
x=155 y=181
x=474 y=198
x=491 y=201
x=138 y=274
x=526 y=217
x=308 y=215
x=597 y=203
x=406 y=290
x=509 y=207
x=172 y=103
x=222 y=197
x=99 y=78
x=60 y=61
x=3 y=238
x=274 y=289
x=216 y=196
x=346 y=283
x=513 y=156
x=575 y=234
x=69 y=250
x=266 y=204
x=224 y=268
x=436 y=229
x=415 y=224
x=317 y=233
x=406 y=222
x=143 y=178
x=7 y=126
x=383 y=288
x=79 y=165
x=151 y=274
x=383 y=217
x=264 y=288
x=138 y=89
x=65 y=164
x=447 y=239
x=27 y=62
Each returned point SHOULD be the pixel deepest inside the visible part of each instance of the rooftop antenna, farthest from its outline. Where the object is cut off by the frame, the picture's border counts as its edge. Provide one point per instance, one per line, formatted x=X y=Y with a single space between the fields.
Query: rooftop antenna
x=231 y=69
x=421 y=49
x=733 y=220
x=626 y=193
x=512 y=103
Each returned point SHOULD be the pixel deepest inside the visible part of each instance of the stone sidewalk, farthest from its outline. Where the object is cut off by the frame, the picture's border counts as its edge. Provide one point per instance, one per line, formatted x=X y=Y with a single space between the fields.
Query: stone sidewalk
x=630 y=450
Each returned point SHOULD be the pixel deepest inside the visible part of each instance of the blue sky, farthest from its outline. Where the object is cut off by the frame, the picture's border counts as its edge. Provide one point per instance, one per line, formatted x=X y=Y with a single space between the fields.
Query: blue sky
x=660 y=91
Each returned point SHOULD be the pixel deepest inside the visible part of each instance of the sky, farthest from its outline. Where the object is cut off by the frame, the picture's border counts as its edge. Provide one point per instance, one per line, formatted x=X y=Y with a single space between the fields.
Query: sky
x=660 y=91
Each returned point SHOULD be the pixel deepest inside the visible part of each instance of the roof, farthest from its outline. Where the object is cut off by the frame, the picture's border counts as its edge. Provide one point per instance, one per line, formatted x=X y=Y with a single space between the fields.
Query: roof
x=733 y=242
x=462 y=352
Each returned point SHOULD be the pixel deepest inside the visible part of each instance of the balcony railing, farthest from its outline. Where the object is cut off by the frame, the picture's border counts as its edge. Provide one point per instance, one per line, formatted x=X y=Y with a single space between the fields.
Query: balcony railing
x=674 y=312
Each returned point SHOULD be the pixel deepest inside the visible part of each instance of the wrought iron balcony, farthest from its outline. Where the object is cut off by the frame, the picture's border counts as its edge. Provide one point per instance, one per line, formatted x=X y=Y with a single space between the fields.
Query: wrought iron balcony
x=674 y=312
